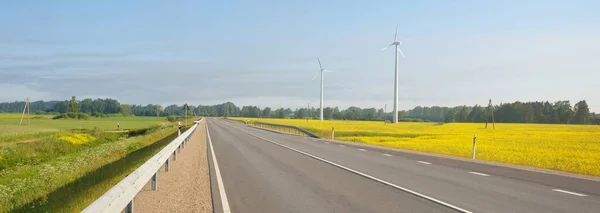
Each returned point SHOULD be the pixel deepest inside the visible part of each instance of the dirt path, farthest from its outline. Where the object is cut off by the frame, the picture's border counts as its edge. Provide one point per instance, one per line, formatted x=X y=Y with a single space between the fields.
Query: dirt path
x=20 y=142
x=186 y=186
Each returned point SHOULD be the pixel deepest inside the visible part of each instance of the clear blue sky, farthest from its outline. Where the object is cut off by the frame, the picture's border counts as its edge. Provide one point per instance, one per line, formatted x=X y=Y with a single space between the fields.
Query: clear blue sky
x=264 y=52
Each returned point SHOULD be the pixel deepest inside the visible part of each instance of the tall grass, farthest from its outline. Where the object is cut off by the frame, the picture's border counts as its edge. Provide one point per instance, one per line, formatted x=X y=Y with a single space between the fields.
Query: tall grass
x=76 y=195
x=32 y=187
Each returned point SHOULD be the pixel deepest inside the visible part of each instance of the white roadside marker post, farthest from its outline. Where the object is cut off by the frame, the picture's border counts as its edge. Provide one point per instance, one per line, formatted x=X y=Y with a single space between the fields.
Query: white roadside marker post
x=332 y=132
x=474 y=144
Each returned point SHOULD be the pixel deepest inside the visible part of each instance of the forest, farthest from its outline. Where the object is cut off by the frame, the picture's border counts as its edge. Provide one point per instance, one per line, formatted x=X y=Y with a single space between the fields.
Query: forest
x=559 y=112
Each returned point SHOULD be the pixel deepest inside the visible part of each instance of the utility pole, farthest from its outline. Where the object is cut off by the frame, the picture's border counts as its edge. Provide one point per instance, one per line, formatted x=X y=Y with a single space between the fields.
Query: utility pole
x=27 y=107
x=385 y=109
x=490 y=110
x=186 y=109
x=307 y=111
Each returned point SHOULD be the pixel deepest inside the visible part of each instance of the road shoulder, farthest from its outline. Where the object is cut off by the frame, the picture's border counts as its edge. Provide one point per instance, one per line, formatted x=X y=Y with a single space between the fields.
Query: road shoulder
x=186 y=186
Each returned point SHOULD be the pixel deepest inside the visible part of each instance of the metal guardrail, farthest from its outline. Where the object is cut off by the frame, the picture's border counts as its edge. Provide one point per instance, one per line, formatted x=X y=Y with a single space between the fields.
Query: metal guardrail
x=295 y=128
x=120 y=197
x=236 y=120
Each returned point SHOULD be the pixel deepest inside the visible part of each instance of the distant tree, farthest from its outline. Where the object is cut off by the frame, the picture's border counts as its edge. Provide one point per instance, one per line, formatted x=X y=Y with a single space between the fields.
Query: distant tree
x=462 y=114
x=266 y=113
x=450 y=116
x=98 y=106
x=369 y=114
x=280 y=113
x=337 y=114
x=353 y=113
x=327 y=113
x=301 y=113
x=73 y=105
x=111 y=106
x=564 y=112
x=85 y=106
x=61 y=107
x=125 y=110
x=474 y=114
x=245 y=111
x=582 y=113
x=401 y=115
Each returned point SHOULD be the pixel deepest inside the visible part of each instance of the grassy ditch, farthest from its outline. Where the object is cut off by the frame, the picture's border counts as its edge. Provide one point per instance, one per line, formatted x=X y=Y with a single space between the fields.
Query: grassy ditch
x=73 y=177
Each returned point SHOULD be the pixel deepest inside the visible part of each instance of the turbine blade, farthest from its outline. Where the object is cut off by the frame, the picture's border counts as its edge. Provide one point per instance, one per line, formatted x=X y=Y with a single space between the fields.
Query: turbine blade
x=327 y=71
x=397 y=48
x=313 y=78
x=387 y=46
x=320 y=63
x=396 y=34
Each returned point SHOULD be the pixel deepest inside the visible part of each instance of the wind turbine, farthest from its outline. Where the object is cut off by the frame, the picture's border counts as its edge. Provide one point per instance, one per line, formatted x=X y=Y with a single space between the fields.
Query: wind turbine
x=313 y=78
x=397 y=44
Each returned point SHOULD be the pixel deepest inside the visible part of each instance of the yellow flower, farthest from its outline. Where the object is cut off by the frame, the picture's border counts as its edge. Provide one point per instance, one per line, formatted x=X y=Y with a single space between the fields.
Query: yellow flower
x=572 y=148
x=77 y=138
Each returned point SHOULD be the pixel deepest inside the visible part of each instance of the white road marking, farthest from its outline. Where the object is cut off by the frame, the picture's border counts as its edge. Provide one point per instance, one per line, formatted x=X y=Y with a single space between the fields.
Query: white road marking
x=222 y=193
x=568 y=192
x=423 y=162
x=342 y=145
x=388 y=155
x=480 y=174
x=362 y=150
x=326 y=142
x=363 y=174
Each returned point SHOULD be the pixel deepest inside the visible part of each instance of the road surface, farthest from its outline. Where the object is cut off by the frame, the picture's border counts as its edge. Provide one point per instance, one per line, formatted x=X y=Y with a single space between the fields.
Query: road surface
x=262 y=171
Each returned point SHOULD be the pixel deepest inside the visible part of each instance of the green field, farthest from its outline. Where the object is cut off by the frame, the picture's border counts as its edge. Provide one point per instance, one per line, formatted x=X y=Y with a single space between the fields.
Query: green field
x=40 y=125
x=63 y=165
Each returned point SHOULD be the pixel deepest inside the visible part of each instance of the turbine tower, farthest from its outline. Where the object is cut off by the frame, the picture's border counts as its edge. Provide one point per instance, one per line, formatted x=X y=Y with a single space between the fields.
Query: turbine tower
x=397 y=44
x=321 y=71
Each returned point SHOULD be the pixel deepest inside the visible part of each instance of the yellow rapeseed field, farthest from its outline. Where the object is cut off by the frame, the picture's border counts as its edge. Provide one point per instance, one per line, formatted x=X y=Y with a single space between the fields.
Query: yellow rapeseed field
x=77 y=138
x=572 y=148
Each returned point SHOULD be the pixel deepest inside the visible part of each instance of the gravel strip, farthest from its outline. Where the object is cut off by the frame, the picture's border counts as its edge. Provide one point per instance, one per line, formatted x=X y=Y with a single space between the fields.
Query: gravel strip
x=186 y=186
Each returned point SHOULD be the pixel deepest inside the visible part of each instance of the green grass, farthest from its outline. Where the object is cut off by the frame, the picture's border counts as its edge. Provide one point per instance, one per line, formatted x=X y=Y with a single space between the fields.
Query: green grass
x=41 y=171
x=77 y=195
x=11 y=131
x=46 y=186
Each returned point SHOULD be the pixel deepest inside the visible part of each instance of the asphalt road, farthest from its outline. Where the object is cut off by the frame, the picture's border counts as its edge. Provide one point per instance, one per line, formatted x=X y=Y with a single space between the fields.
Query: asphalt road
x=262 y=171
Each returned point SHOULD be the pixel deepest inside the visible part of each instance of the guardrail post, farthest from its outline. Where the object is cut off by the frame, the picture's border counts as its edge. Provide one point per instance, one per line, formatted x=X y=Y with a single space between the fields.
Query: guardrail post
x=179 y=148
x=175 y=155
x=129 y=207
x=154 y=181
x=167 y=164
x=474 y=145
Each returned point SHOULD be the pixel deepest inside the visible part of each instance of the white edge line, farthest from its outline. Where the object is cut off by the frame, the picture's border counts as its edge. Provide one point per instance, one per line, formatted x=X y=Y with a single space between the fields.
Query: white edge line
x=480 y=174
x=424 y=162
x=342 y=145
x=568 y=192
x=362 y=150
x=388 y=155
x=364 y=175
x=222 y=193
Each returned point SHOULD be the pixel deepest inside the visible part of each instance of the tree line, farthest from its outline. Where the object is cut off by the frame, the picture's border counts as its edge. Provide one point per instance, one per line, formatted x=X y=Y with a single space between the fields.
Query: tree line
x=560 y=112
